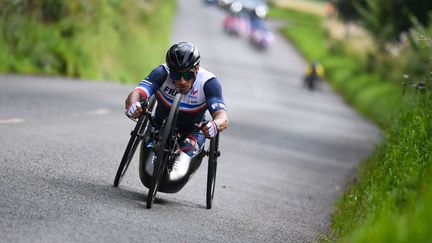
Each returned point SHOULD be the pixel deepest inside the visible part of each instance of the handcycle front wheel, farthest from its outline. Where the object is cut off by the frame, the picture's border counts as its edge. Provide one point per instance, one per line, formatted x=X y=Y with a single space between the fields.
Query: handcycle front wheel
x=213 y=154
x=164 y=150
x=136 y=136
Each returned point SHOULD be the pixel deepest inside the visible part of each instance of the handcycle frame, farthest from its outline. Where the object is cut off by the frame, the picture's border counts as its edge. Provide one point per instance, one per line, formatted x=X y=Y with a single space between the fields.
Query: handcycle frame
x=166 y=143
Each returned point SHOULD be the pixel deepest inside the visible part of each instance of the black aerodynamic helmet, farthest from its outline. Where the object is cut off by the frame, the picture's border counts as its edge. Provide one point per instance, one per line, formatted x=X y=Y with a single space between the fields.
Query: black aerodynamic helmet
x=182 y=56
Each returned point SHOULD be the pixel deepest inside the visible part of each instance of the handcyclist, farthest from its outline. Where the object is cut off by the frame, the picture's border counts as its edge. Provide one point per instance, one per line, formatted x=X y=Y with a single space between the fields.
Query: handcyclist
x=314 y=75
x=201 y=91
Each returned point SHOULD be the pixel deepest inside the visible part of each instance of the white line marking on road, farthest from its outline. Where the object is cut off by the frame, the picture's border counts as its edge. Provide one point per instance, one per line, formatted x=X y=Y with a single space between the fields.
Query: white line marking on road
x=98 y=112
x=12 y=120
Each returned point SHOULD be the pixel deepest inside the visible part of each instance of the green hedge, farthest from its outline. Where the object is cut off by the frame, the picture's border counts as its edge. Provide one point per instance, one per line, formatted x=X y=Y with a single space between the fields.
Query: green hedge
x=391 y=198
x=114 y=40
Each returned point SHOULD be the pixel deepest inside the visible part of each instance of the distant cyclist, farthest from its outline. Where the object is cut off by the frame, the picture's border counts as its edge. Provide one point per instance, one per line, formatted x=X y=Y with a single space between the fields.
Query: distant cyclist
x=202 y=91
x=314 y=75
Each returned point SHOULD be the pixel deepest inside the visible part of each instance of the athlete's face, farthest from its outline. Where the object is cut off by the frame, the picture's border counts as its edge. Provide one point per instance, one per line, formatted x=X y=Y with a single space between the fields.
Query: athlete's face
x=184 y=80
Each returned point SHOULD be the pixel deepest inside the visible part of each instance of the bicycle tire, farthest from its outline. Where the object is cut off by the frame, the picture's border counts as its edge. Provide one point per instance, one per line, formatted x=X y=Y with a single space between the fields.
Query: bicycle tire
x=135 y=139
x=164 y=149
x=211 y=173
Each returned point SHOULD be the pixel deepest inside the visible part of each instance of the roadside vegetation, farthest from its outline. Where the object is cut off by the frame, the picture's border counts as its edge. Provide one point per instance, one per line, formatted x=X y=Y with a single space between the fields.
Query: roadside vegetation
x=390 y=199
x=99 y=40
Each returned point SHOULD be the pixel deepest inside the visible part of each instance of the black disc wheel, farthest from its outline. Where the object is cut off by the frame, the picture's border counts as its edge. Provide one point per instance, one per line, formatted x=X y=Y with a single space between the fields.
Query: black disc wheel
x=211 y=174
x=164 y=150
x=139 y=132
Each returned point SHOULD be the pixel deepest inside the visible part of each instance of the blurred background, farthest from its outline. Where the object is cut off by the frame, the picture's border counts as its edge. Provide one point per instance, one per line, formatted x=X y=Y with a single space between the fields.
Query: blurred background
x=101 y=40
x=88 y=38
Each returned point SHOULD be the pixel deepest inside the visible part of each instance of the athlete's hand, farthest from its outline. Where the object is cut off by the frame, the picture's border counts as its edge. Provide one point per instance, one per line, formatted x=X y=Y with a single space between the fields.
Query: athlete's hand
x=210 y=129
x=134 y=111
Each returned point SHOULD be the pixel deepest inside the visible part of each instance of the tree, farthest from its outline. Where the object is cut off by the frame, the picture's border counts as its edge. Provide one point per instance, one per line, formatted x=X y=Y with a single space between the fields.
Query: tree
x=347 y=9
x=387 y=19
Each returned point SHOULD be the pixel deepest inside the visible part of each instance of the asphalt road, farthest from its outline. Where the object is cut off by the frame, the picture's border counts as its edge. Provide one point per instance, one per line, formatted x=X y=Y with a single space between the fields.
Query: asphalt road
x=285 y=157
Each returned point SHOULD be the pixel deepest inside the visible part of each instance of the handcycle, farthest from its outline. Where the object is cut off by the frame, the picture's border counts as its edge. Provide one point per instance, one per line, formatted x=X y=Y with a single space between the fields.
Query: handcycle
x=161 y=156
x=311 y=82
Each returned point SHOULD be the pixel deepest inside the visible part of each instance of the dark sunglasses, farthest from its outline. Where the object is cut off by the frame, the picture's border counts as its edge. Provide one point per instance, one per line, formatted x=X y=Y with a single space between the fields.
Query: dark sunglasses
x=187 y=75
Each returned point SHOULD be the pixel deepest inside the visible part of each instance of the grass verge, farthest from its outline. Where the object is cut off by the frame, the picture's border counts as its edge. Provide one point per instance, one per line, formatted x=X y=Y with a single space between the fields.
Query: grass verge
x=391 y=198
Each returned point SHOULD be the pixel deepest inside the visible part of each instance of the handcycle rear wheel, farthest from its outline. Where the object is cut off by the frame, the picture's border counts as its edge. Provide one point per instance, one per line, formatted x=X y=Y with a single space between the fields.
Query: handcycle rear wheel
x=137 y=135
x=211 y=173
x=164 y=150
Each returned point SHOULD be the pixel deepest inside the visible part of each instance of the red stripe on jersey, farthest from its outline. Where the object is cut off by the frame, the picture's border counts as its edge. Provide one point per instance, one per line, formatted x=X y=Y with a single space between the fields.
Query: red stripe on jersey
x=142 y=92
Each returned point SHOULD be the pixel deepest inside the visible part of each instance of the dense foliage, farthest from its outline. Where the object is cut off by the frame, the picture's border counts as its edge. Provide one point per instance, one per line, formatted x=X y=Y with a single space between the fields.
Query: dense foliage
x=347 y=9
x=386 y=19
x=95 y=39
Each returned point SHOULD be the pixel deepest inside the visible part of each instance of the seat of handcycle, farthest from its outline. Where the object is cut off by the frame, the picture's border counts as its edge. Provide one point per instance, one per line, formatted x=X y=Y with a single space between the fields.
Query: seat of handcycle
x=176 y=177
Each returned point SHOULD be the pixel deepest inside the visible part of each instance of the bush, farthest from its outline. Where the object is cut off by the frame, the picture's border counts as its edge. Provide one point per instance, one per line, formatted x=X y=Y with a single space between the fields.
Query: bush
x=115 y=40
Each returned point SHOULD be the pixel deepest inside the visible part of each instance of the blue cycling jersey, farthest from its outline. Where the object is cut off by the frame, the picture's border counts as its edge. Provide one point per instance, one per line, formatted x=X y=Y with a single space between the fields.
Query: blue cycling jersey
x=205 y=94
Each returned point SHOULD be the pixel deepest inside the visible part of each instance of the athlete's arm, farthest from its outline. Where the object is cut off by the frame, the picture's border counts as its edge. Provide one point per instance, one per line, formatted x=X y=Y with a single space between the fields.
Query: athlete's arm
x=221 y=119
x=216 y=107
x=144 y=90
